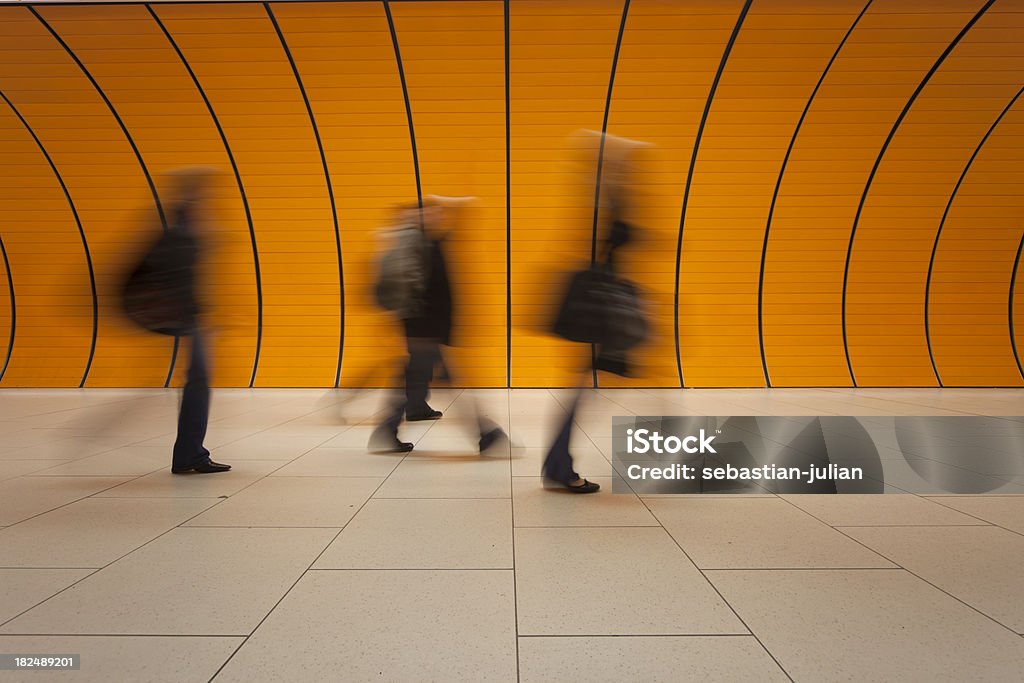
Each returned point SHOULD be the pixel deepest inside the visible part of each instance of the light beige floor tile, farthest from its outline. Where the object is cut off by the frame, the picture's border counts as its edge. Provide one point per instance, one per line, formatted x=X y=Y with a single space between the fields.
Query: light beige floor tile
x=60 y=450
x=219 y=437
x=877 y=510
x=940 y=478
x=163 y=484
x=979 y=565
x=341 y=462
x=188 y=582
x=358 y=436
x=9 y=469
x=34 y=437
x=741 y=533
x=93 y=532
x=587 y=460
x=21 y=589
x=457 y=445
x=386 y=625
x=433 y=476
x=267 y=447
x=587 y=581
x=532 y=436
x=129 y=461
x=537 y=506
x=869 y=625
x=126 y=658
x=666 y=659
x=26 y=497
x=1004 y=511
x=425 y=534
x=293 y=502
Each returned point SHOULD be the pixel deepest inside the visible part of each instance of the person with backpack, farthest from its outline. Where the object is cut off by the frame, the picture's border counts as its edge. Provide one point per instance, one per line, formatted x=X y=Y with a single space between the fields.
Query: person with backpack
x=161 y=295
x=413 y=283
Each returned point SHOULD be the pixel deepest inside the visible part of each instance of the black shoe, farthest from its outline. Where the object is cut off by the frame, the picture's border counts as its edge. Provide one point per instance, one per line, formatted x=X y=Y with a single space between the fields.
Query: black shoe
x=490 y=438
x=392 y=446
x=427 y=415
x=585 y=487
x=207 y=467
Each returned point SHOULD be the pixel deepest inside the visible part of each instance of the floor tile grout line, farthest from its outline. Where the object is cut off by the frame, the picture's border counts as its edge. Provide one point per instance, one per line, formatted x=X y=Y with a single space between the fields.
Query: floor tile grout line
x=638 y=635
x=121 y=635
x=1000 y=526
x=512 y=536
x=410 y=569
x=78 y=500
x=918 y=576
x=915 y=404
x=588 y=526
x=718 y=592
x=984 y=524
x=895 y=568
x=152 y=395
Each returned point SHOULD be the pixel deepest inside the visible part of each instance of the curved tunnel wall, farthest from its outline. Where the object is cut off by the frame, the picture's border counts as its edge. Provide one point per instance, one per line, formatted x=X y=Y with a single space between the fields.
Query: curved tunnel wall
x=832 y=198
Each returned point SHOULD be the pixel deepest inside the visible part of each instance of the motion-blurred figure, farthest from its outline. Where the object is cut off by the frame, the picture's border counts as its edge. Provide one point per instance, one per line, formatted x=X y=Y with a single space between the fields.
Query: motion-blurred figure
x=414 y=285
x=600 y=307
x=161 y=295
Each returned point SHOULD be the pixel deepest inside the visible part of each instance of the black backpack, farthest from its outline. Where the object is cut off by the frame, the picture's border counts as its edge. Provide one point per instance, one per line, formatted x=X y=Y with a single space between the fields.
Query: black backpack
x=157 y=294
x=403 y=272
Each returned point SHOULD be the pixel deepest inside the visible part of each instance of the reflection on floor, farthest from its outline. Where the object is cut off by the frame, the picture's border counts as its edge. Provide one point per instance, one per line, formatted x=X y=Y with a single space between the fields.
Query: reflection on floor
x=315 y=560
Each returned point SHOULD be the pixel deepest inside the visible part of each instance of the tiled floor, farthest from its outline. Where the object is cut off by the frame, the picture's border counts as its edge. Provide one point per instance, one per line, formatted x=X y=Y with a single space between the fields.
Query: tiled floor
x=316 y=560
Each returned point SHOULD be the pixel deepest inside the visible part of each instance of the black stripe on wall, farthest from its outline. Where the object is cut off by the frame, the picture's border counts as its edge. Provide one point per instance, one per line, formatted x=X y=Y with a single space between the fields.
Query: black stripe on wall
x=878 y=161
x=1013 y=283
x=942 y=223
x=508 y=205
x=600 y=164
x=14 y=310
x=778 y=185
x=689 y=178
x=131 y=142
x=241 y=191
x=81 y=234
x=330 y=187
x=408 y=105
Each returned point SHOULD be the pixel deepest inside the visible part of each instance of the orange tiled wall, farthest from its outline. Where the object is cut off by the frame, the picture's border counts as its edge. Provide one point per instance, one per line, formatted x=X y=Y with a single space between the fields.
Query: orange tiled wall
x=832 y=196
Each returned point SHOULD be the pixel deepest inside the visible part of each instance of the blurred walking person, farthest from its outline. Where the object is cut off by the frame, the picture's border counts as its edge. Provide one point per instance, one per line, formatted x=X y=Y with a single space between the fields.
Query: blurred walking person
x=162 y=295
x=600 y=308
x=414 y=284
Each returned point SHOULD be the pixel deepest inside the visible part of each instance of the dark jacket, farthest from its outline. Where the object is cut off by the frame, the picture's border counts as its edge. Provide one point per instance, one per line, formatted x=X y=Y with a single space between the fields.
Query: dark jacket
x=183 y=259
x=435 y=319
x=160 y=293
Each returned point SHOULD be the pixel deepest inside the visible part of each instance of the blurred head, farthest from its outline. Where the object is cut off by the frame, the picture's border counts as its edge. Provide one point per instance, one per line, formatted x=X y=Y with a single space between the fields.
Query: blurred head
x=433 y=218
x=191 y=184
x=429 y=217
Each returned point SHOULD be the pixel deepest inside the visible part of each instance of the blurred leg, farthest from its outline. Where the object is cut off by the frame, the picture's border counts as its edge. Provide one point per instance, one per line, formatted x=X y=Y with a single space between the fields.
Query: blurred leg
x=423 y=356
x=195 y=410
x=558 y=463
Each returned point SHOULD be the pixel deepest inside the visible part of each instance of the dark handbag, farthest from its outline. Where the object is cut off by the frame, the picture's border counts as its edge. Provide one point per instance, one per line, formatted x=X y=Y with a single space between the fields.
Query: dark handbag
x=599 y=308
x=156 y=295
x=581 y=316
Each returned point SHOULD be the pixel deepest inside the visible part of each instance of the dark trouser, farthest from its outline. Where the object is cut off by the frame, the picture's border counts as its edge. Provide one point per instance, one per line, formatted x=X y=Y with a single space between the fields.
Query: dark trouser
x=558 y=463
x=195 y=410
x=424 y=354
